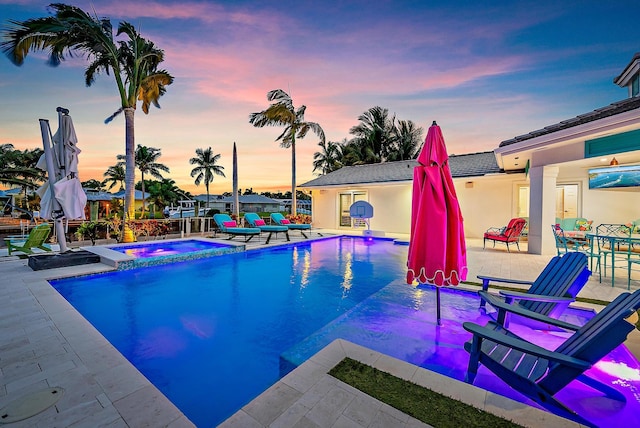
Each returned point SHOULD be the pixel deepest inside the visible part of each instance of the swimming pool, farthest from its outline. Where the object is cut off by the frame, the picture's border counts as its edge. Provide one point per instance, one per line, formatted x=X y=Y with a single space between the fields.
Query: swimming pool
x=209 y=332
x=212 y=334
x=146 y=254
x=147 y=250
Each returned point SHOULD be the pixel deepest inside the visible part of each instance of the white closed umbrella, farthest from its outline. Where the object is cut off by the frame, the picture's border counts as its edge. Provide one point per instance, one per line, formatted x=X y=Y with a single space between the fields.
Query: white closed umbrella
x=63 y=196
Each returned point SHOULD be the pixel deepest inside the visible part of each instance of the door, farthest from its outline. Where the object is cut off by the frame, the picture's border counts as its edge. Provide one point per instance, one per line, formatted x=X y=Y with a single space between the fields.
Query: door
x=567 y=201
x=346 y=200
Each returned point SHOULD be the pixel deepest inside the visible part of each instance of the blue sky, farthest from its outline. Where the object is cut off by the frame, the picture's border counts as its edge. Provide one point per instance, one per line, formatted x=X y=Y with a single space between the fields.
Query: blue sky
x=486 y=71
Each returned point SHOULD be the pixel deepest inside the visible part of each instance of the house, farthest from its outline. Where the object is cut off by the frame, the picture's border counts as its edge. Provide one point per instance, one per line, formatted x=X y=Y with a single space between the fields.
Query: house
x=248 y=203
x=388 y=186
x=542 y=175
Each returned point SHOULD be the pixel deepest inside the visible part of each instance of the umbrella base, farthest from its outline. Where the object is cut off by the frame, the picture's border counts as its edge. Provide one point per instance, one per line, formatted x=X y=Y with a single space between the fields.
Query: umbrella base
x=70 y=258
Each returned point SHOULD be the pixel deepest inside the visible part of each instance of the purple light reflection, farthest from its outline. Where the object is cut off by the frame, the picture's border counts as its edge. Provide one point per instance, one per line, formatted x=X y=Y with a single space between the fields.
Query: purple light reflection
x=400 y=321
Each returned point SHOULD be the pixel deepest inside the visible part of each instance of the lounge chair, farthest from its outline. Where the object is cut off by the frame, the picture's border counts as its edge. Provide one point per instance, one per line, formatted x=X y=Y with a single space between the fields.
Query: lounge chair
x=539 y=373
x=35 y=239
x=254 y=220
x=228 y=226
x=507 y=235
x=279 y=219
x=550 y=294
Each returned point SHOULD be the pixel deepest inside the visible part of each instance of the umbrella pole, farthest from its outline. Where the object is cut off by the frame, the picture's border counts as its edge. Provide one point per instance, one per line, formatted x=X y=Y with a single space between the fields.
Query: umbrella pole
x=48 y=153
x=438 y=304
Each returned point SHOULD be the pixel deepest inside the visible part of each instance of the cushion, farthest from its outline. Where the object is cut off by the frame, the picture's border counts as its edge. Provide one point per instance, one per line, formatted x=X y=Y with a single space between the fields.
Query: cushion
x=285 y=221
x=229 y=224
x=583 y=224
x=259 y=222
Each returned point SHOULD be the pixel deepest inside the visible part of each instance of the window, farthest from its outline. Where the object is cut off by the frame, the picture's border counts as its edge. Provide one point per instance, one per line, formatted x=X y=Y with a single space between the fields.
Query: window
x=635 y=85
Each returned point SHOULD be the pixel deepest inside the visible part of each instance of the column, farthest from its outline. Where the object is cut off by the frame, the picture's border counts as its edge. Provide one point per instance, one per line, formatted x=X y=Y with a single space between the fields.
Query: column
x=542 y=209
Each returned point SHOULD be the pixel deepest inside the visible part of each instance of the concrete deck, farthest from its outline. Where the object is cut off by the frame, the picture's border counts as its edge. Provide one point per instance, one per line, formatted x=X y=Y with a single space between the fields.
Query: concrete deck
x=44 y=342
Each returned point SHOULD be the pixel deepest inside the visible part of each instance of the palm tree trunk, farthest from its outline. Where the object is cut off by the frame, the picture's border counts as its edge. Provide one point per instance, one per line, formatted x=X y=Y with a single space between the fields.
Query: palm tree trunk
x=293 y=177
x=130 y=176
x=142 y=212
x=207 y=208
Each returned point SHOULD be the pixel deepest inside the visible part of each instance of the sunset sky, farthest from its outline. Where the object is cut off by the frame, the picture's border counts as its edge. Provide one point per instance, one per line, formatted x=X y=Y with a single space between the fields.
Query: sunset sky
x=487 y=71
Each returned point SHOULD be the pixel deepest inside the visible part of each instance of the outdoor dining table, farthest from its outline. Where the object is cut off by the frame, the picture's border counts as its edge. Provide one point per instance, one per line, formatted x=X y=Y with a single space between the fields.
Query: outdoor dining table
x=614 y=244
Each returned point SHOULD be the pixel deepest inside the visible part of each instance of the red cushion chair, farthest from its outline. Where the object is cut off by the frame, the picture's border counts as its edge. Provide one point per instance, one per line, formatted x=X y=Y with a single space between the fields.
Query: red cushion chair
x=507 y=235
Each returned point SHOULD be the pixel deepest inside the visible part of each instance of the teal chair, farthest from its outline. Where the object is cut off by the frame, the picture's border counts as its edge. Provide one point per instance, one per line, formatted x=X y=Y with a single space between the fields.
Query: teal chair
x=228 y=226
x=539 y=373
x=36 y=239
x=279 y=219
x=552 y=291
x=254 y=220
x=565 y=245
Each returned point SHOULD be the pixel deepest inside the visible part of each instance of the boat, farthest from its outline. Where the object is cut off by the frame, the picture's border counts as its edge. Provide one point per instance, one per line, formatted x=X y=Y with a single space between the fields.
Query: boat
x=185 y=208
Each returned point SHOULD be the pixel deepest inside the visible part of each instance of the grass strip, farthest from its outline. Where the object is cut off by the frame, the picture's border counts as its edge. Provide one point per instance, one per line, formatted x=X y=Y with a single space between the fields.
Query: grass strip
x=422 y=403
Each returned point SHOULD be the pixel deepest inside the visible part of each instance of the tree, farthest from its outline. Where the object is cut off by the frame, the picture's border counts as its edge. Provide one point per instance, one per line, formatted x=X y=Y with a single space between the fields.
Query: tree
x=407 y=141
x=132 y=62
x=92 y=184
x=329 y=159
x=19 y=168
x=115 y=174
x=373 y=136
x=206 y=168
x=164 y=192
x=145 y=161
x=281 y=112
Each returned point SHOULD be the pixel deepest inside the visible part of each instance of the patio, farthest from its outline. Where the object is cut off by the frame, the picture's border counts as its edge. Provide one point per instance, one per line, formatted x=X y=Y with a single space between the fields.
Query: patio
x=45 y=342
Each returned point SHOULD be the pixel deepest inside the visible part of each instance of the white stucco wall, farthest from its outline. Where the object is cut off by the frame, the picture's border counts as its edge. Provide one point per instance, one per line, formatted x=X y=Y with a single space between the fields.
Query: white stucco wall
x=489 y=202
x=603 y=205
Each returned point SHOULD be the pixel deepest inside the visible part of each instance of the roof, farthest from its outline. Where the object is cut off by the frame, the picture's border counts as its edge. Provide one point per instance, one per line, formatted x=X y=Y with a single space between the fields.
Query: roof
x=468 y=165
x=619 y=107
x=98 y=196
x=137 y=195
x=251 y=199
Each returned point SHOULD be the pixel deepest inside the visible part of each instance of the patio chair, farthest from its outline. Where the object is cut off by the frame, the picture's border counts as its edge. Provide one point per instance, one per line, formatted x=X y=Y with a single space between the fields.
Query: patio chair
x=539 y=373
x=254 y=220
x=607 y=234
x=35 y=239
x=279 y=219
x=550 y=294
x=566 y=244
x=507 y=235
x=228 y=226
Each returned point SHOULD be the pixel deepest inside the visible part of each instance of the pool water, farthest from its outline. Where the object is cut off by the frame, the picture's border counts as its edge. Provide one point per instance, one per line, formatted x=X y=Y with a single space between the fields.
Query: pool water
x=209 y=332
x=166 y=248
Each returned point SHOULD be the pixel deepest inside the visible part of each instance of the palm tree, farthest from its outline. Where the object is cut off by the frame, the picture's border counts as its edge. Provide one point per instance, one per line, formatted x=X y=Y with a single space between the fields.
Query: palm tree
x=329 y=159
x=164 y=192
x=18 y=168
x=281 y=112
x=206 y=168
x=115 y=174
x=407 y=141
x=93 y=184
x=374 y=134
x=132 y=62
x=145 y=161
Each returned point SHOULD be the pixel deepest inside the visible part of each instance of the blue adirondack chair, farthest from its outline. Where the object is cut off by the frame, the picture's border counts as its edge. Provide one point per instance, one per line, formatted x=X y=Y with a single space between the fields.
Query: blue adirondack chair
x=254 y=221
x=539 y=373
x=550 y=294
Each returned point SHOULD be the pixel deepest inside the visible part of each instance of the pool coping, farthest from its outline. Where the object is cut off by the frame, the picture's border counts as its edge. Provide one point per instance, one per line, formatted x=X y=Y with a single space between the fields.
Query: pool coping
x=308 y=394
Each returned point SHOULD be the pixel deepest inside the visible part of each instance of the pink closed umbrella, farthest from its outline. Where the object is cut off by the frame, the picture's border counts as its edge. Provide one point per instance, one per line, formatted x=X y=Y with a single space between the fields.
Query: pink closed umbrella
x=437 y=251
